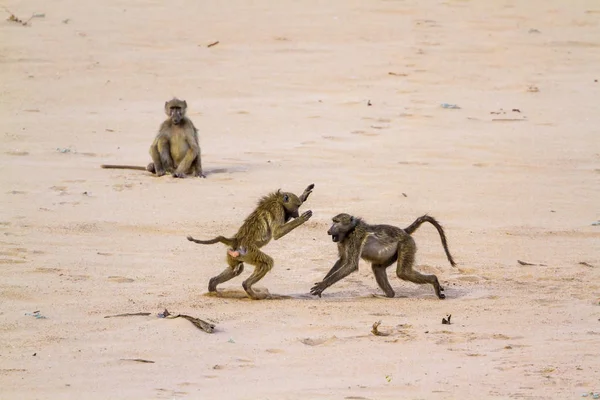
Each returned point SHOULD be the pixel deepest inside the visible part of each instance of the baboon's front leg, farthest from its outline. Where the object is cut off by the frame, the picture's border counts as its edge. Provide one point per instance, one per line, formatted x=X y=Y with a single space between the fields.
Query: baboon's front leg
x=345 y=269
x=184 y=166
x=293 y=224
x=335 y=267
x=197 y=167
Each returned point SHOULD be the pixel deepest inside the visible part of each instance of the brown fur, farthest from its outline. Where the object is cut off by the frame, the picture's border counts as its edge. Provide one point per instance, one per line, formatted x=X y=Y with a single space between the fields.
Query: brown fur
x=382 y=245
x=268 y=220
x=175 y=148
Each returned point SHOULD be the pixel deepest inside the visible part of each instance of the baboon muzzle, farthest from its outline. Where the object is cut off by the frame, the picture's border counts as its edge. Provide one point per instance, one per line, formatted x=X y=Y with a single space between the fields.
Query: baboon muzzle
x=334 y=237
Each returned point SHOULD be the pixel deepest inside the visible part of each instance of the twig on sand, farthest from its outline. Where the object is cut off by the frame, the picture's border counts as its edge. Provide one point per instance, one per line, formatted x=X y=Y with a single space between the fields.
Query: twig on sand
x=198 y=323
x=145 y=314
x=14 y=18
x=138 y=360
x=535 y=265
x=376 y=332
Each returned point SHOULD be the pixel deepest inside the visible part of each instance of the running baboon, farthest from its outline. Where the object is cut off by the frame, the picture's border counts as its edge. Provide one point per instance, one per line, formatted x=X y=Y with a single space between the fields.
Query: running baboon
x=381 y=245
x=175 y=149
x=268 y=220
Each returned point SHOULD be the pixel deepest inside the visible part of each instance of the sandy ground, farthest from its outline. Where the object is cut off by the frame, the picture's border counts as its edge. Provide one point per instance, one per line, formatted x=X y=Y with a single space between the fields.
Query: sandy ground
x=282 y=102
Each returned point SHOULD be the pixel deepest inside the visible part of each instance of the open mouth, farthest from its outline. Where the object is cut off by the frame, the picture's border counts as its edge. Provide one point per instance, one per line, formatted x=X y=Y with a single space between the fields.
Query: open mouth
x=335 y=238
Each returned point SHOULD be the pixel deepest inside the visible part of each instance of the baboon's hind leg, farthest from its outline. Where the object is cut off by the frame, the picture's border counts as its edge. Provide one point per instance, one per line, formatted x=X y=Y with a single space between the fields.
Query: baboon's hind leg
x=405 y=271
x=233 y=269
x=379 y=270
x=262 y=264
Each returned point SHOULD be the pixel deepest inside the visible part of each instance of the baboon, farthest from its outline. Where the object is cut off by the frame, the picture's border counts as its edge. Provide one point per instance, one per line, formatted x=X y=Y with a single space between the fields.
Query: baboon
x=381 y=245
x=175 y=149
x=268 y=220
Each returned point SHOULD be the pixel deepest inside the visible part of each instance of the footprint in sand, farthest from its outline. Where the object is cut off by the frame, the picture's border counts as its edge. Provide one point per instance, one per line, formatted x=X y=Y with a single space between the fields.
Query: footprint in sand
x=17 y=153
x=44 y=270
x=169 y=394
x=120 y=187
x=319 y=341
x=363 y=133
x=16 y=255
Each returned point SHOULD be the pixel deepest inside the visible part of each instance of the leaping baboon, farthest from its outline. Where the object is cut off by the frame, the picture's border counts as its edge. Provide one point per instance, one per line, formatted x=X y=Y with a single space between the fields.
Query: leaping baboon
x=268 y=220
x=175 y=149
x=381 y=245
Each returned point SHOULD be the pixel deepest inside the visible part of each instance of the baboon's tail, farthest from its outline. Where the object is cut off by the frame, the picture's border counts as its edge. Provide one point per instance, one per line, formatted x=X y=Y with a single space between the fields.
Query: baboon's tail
x=426 y=218
x=221 y=239
x=136 y=167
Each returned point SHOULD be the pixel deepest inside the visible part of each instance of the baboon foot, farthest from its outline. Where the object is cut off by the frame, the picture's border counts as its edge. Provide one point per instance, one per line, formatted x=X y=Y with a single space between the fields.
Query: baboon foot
x=382 y=296
x=212 y=285
x=255 y=295
x=152 y=168
x=439 y=291
x=178 y=175
x=200 y=175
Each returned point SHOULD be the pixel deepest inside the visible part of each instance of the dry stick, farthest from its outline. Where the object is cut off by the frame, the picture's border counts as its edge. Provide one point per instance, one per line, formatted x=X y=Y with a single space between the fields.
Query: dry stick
x=198 y=323
x=213 y=44
x=138 y=360
x=526 y=263
x=145 y=314
x=376 y=332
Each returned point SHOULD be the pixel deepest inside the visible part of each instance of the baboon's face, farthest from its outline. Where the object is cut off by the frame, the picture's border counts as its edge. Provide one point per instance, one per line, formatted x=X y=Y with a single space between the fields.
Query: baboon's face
x=342 y=225
x=175 y=109
x=291 y=204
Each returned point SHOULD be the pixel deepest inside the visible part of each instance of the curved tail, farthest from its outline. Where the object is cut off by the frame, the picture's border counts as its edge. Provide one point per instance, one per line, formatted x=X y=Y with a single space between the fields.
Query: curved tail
x=426 y=218
x=221 y=239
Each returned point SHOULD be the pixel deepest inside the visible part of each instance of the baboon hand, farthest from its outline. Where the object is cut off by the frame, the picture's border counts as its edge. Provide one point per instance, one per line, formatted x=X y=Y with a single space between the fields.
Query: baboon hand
x=318 y=289
x=306 y=215
x=307 y=192
x=178 y=175
x=160 y=172
x=200 y=175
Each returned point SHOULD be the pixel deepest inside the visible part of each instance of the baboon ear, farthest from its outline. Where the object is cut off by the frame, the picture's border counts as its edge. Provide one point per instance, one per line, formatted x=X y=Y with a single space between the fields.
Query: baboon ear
x=185 y=103
x=286 y=198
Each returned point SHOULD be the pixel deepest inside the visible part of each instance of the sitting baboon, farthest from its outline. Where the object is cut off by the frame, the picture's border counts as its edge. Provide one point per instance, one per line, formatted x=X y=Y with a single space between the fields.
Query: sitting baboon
x=268 y=220
x=175 y=149
x=381 y=245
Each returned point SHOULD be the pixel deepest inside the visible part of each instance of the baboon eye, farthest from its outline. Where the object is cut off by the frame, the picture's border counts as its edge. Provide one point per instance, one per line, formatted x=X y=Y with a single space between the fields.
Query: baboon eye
x=286 y=198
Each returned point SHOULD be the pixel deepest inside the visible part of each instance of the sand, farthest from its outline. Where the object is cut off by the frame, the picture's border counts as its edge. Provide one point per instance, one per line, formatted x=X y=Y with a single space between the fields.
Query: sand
x=282 y=101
